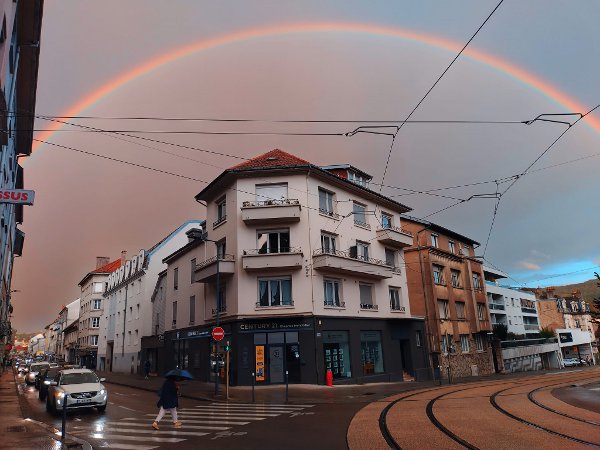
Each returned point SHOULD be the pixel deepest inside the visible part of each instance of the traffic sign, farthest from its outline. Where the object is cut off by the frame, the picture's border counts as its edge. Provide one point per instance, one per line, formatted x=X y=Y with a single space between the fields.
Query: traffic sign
x=218 y=333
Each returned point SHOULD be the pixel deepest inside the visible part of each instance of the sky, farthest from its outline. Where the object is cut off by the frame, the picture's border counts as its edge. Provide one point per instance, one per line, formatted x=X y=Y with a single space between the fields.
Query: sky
x=313 y=60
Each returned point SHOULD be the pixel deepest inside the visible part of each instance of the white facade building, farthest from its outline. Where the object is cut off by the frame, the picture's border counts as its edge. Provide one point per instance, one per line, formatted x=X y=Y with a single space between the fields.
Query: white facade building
x=127 y=315
x=511 y=307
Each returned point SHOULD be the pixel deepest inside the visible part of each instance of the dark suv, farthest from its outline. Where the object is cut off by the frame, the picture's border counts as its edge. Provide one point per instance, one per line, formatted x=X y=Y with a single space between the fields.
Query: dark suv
x=45 y=377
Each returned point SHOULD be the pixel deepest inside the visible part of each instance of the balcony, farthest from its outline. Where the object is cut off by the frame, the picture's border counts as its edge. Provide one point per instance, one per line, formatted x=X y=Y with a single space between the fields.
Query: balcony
x=334 y=305
x=336 y=261
x=496 y=306
x=206 y=271
x=534 y=327
x=394 y=237
x=256 y=260
x=271 y=211
x=528 y=310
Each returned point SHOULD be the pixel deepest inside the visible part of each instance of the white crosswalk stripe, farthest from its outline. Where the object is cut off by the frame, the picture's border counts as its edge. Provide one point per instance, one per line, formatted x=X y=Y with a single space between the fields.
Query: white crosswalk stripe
x=203 y=421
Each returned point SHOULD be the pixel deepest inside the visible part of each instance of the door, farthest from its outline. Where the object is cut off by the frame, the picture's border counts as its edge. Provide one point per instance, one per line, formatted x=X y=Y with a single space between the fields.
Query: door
x=405 y=356
x=292 y=359
x=276 y=364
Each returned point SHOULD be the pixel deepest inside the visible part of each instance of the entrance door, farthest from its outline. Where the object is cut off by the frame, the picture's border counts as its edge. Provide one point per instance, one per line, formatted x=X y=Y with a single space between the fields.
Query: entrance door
x=292 y=359
x=276 y=364
x=405 y=356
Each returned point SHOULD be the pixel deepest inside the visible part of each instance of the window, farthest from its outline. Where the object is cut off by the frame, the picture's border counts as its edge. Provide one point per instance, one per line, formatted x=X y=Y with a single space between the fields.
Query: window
x=336 y=349
x=176 y=278
x=464 y=343
x=455 y=278
x=447 y=343
x=386 y=221
x=222 y=306
x=357 y=179
x=276 y=241
x=395 y=303
x=221 y=248
x=137 y=311
x=479 y=342
x=360 y=251
x=95 y=322
x=366 y=296
x=98 y=288
x=434 y=240
x=94 y=340
x=418 y=339
x=192 y=309
x=326 y=202
x=193 y=269
x=174 y=314
x=371 y=355
x=275 y=292
x=328 y=243
x=97 y=303
x=438 y=275
x=139 y=287
x=270 y=192
x=359 y=212
x=221 y=211
x=443 y=308
x=460 y=310
x=390 y=257
x=481 y=311
x=331 y=292
x=476 y=281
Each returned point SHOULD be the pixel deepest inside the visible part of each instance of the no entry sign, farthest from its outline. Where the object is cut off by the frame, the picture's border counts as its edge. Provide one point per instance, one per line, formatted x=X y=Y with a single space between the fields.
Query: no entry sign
x=218 y=333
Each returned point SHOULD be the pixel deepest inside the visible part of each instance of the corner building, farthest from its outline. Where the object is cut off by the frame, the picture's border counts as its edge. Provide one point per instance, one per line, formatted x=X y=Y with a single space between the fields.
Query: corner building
x=307 y=261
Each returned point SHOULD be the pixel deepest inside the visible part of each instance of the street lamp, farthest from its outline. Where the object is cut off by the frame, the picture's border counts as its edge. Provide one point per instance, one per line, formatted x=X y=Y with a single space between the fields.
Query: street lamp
x=218 y=305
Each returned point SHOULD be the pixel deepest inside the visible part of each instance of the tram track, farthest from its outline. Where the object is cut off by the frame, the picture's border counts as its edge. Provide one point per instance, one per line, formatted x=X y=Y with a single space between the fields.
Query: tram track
x=435 y=421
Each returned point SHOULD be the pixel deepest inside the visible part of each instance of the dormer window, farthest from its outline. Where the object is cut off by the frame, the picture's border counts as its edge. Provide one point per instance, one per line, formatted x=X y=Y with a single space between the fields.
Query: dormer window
x=357 y=179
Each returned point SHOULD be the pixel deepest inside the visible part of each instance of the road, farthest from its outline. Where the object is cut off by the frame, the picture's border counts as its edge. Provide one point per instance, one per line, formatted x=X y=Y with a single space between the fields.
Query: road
x=126 y=423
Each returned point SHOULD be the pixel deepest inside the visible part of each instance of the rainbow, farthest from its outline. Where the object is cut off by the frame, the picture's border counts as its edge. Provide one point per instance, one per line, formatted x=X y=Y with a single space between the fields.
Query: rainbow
x=536 y=83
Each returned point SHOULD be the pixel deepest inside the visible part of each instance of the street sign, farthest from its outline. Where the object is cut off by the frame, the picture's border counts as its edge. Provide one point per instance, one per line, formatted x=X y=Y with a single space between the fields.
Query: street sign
x=218 y=333
x=18 y=196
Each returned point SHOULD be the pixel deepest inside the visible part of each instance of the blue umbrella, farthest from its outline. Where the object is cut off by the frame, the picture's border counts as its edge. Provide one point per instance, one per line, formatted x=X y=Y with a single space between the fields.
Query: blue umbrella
x=179 y=374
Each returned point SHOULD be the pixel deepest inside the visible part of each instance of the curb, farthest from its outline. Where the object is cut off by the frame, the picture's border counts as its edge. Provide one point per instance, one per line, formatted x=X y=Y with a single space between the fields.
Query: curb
x=70 y=442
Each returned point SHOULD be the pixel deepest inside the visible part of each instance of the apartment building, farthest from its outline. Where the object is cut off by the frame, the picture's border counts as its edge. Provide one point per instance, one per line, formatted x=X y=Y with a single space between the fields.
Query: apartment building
x=446 y=285
x=91 y=307
x=515 y=308
x=19 y=61
x=127 y=315
x=67 y=315
x=302 y=267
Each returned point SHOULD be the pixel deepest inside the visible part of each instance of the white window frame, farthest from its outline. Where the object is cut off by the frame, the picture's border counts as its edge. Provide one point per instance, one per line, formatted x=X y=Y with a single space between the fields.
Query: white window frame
x=395 y=298
x=270 y=280
x=221 y=209
x=464 y=343
x=455 y=275
x=439 y=279
x=98 y=287
x=328 y=243
x=477 y=281
x=336 y=290
x=386 y=221
x=434 y=240
x=443 y=308
x=364 y=302
x=360 y=211
x=268 y=234
x=326 y=202
x=452 y=247
x=362 y=250
x=97 y=301
x=481 y=311
x=393 y=254
x=479 y=342
x=95 y=323
x=94 y=340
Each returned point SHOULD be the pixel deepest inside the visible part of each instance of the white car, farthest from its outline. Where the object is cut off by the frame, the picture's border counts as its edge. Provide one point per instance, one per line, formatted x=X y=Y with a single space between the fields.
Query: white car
x=571 y=362
x=82 y=389
x=33 y=370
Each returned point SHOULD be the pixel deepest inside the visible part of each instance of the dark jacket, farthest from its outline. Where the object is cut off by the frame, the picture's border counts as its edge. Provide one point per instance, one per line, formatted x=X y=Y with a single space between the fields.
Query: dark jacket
x=168 y=395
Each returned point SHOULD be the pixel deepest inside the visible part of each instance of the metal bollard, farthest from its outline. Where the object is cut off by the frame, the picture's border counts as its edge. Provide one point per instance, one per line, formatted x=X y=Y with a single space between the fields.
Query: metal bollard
x=286 y=386
x=64 y=417
x=253 y=399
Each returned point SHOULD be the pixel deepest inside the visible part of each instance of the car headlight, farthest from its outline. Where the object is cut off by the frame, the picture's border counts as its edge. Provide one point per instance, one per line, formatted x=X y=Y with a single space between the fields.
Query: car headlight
x=60 y=394
x=47 y=382
x=102 y=392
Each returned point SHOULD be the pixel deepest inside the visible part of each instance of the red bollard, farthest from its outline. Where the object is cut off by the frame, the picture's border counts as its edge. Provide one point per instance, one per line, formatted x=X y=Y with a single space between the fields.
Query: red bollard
x=329 y=378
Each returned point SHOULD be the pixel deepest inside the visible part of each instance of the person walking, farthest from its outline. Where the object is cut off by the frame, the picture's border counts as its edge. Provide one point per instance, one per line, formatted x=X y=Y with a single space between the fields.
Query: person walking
x=147 y=366
x=168 y=401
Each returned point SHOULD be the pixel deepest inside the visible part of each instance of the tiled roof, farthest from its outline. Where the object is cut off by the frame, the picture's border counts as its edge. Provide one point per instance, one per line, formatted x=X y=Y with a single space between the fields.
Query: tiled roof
x=274 y=158
x=108 y=268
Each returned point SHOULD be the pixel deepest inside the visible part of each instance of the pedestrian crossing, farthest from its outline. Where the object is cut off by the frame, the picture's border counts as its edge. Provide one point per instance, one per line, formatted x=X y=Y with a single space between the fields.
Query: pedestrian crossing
x=207 y=421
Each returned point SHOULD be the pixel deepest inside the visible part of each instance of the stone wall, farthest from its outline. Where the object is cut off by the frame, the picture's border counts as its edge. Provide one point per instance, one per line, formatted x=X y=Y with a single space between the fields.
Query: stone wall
x=473 y=363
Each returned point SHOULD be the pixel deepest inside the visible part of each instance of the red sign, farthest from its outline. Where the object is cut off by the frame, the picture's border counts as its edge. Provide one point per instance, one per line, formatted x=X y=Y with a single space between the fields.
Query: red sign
x=218 y=333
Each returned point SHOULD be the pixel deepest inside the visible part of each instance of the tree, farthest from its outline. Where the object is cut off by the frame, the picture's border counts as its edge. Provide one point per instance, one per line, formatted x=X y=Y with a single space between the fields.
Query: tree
x=595 y=310
x=546 y=333
x=500 y=331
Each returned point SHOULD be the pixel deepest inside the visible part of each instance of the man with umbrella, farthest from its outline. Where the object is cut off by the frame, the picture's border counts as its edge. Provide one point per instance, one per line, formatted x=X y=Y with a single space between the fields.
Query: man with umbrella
x=169 y=393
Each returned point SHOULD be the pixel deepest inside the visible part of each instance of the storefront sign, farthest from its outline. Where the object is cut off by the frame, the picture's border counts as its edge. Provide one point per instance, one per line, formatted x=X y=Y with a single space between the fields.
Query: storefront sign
x=565 y=337
x=260 y=363
x=191 y=334
x=126 y=272
x=251 y=327
x=18 y=196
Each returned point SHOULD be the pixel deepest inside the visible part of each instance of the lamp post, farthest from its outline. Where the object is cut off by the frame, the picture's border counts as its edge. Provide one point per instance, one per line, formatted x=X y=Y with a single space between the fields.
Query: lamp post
x=218 y=315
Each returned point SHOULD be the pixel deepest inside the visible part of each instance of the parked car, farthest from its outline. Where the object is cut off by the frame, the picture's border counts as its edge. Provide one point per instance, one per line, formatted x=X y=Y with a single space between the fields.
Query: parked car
x=33 y=369
x=45 y=377
x=82 y=389
x=573 y=362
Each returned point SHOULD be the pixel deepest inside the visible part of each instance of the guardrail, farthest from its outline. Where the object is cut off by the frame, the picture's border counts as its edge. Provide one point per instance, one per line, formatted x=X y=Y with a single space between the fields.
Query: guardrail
x=526 y=342
x=343 y=254
x=290 y=303
x=209 y=261
x=262 y=251
x=281 y=202
x=397 y=229
x=334 y=305
x=368 y=306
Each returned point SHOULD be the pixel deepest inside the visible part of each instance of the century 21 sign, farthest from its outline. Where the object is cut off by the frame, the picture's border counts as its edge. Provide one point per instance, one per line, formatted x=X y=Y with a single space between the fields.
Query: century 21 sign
x=130 y=269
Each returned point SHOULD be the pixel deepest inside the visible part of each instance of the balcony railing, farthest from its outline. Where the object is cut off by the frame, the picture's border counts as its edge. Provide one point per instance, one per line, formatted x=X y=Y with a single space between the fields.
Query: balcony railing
x=331 y=304
x=497 y=306
x=344 y=254
x=281 y=305
x=260 y=251
x=532 y=326
x=369 y=306
x=329 y=213
x=397 y=229
x=528 y=310
x=362 y=224
x=398 y=308
x=282 y=202
x=219 y=221
x=209 y=261
x=221 y=310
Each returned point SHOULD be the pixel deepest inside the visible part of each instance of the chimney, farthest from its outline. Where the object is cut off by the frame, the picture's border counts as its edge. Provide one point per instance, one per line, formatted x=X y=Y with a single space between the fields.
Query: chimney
x=101 y=261
x=123 y=258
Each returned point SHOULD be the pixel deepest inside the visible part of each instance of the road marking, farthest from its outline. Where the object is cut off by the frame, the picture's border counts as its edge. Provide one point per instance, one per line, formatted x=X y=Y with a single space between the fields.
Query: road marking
x=136 y=438
x=111 y=425
x=216 y=416
x=266 y=404
x=232 y=413
x=128 y=409
x=127 y=446
x=145 y=422
x=107 y=432
x=241 y=409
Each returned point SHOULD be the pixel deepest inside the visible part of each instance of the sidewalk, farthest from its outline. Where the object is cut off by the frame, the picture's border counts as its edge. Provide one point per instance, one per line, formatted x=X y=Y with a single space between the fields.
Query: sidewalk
x=298 y=393
x=19 y=432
